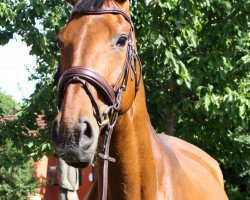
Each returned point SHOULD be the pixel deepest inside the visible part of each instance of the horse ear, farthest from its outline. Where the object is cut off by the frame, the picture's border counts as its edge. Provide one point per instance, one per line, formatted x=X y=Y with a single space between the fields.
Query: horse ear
x=72 y=2
x=121 y=1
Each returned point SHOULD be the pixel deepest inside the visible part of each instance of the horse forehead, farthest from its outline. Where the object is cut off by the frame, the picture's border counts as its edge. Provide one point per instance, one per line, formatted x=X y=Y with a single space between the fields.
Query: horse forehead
x=84 y=35
x=95 y=26
x=80 y=25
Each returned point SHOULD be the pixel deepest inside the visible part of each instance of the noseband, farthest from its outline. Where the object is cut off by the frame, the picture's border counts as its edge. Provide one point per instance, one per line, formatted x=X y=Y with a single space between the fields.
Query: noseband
x=112 y=95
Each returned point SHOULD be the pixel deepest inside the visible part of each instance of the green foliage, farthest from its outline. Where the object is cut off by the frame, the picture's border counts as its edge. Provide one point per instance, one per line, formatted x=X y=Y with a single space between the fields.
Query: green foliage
x=235 y=193
x=38 y=23
x=196 y=68
x=16 y=174
x=8 y=106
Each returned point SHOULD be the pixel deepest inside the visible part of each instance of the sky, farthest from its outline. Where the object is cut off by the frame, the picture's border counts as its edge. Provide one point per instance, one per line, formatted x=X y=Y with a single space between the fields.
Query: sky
x=14 y=61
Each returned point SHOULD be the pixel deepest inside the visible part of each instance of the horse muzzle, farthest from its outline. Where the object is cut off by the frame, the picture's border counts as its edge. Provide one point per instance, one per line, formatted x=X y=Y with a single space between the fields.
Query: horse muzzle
x=78 y=146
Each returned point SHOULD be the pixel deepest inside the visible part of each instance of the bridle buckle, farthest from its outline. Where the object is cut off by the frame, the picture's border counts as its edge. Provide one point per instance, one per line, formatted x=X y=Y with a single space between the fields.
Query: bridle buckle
x=104 y=122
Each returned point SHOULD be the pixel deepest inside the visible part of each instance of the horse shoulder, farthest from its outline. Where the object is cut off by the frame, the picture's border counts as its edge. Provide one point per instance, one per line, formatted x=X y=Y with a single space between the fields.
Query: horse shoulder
x=196 y=154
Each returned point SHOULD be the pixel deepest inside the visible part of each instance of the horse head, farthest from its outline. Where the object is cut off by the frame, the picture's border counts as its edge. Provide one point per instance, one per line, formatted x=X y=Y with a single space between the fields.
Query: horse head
x=98 y=66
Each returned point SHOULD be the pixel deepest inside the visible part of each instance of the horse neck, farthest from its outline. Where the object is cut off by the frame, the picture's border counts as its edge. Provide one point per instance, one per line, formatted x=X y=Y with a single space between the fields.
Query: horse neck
x=132 y=176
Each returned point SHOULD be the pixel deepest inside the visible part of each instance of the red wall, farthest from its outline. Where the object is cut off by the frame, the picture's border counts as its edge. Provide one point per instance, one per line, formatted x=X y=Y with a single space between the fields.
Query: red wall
x=50 y=192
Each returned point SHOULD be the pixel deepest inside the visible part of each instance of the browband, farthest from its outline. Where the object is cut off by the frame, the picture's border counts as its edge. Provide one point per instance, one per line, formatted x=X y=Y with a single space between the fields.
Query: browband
x=109 y=10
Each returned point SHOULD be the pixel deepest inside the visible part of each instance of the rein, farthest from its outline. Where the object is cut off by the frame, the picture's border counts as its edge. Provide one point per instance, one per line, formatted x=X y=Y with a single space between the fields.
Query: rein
x=113 y=96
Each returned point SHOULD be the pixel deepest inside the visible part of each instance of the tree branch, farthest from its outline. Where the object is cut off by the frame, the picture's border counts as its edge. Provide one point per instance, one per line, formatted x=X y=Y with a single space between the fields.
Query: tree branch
x=171 y=116
x=223 y=19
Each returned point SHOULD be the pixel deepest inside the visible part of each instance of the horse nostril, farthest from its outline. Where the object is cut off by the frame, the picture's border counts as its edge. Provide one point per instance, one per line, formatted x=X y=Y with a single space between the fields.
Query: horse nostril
x=84 y=134
x=84 y=129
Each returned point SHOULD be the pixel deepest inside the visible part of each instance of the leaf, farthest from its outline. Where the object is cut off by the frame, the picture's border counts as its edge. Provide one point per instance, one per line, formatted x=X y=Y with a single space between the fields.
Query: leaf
x=44 y=146
x=198 y=91
x=148 y=2
x=207 y=102
x=179 y=40
x=242 y=110
x=168 y=55
x=180 y=81
x=30 y=144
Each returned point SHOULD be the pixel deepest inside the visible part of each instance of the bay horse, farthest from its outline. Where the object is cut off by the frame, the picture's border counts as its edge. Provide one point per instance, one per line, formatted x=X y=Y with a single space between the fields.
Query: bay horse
x=101 y=93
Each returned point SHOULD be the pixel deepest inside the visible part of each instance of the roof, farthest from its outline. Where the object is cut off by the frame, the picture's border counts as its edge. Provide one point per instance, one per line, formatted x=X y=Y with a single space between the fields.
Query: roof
x=39 y=120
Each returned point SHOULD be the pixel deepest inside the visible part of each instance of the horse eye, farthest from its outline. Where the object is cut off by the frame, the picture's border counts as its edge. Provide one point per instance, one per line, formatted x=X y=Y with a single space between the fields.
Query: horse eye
x=122 y=41
x=59 y=43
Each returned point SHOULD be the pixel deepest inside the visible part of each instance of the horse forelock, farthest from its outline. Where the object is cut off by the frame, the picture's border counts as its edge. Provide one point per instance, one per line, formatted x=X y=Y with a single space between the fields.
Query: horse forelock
x=85 y=5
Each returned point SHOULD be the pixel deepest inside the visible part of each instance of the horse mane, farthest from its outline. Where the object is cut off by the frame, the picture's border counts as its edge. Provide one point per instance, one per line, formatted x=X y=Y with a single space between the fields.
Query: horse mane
x=56 y=77
x=86 y=5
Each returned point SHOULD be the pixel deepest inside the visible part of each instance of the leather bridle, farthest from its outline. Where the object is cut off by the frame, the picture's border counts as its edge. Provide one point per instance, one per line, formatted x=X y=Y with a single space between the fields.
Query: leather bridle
x=112 y=95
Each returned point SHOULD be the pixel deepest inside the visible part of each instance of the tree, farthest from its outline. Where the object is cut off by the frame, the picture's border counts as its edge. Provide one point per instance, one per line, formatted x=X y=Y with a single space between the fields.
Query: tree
x=31 y=20
x=16 y=170
x=196 y=61
x=16 y=173
x=8 y=106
